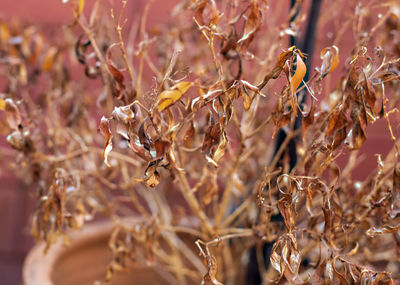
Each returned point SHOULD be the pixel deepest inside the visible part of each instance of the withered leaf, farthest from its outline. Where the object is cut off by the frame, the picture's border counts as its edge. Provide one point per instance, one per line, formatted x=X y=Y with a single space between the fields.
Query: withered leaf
x=308 y=119
x=123 y=113
x=2 y=104
x=210 y=277
x=336 y=121
x=319 y=275
x=220 y=151
x=4 y=34
x=170 y=96
x=105 y=129
x=212 y=135
x=296 y=80
x=49 y=58
x=356 y=137
x=213 y=15
x=115 y=72
x=189 y=135
x=298 y=74
x=382 y=230
x=395 y=198
x=152 y=177
x=370 y=95
x=280 y=62
x=79 y=8
x=153 y=180
x=16 y=140
x=246 y=99
x=13 y=116
x=252 y=25
x=162 y=147
x=330 y=60
x=143 y=138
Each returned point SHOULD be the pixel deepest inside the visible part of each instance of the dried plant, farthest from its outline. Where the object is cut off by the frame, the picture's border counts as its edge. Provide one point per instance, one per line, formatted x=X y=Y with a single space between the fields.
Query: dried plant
x=218 y=134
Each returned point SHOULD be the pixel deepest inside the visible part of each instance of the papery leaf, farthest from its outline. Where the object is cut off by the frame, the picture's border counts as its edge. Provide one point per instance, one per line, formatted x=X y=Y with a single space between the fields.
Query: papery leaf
x=13 y=116
x=153 y=180
x=308 y=119
x=188 y=137
x=275 y=259
x=337 y=121
x=330 y=60
x=143 y=138
x=370 y=95
x=246 y=100
x=213 y=15
x=382 y=279
x=16 y=140
x=220 y=151
x=252 y=25
x=123 y=113
x=309 y=200
x=337 y=273
x=170 y=96
x=162 y=147
x=115 y=72
x=286 y=208
x=138 y=148
x=279 y=64
x=356 y=137
x=382 y=230
x=395 y=198
x=105 y=129
x=210 y=277
x=282 y=121
x=152 y=177
x=319 y=274
x=212 y=136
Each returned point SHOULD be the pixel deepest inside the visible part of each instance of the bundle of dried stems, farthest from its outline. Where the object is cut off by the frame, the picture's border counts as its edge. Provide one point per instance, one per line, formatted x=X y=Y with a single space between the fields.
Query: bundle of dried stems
x=234 y=132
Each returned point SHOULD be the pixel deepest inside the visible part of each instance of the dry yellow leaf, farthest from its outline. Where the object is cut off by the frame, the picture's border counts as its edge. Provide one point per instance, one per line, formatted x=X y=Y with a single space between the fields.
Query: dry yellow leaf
x=4 y=34
x=2 y=104
x=48 y=60
x=79 y=9
x=170 y=96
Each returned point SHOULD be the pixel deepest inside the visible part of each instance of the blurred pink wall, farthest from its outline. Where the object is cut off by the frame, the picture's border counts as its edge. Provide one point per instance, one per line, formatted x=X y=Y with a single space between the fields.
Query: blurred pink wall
x=15 y=205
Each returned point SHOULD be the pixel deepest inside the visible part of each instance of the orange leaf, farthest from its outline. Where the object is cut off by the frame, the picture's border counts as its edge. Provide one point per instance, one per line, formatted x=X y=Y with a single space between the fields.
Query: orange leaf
x=298 y=76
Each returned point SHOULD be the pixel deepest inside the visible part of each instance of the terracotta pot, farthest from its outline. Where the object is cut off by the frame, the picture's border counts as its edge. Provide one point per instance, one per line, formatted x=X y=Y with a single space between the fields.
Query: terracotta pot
x=82 y=262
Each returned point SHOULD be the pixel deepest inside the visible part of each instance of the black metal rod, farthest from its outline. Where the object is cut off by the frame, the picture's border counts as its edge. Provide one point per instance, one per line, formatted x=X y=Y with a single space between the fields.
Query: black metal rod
x=307 y=46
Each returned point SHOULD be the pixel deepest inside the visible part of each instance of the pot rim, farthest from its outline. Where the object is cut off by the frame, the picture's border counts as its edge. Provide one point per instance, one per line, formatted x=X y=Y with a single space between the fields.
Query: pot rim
x=38 y=266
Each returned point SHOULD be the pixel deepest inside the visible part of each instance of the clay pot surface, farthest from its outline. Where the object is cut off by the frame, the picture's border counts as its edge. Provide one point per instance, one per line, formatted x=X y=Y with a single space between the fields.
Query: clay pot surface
x=82 y=262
